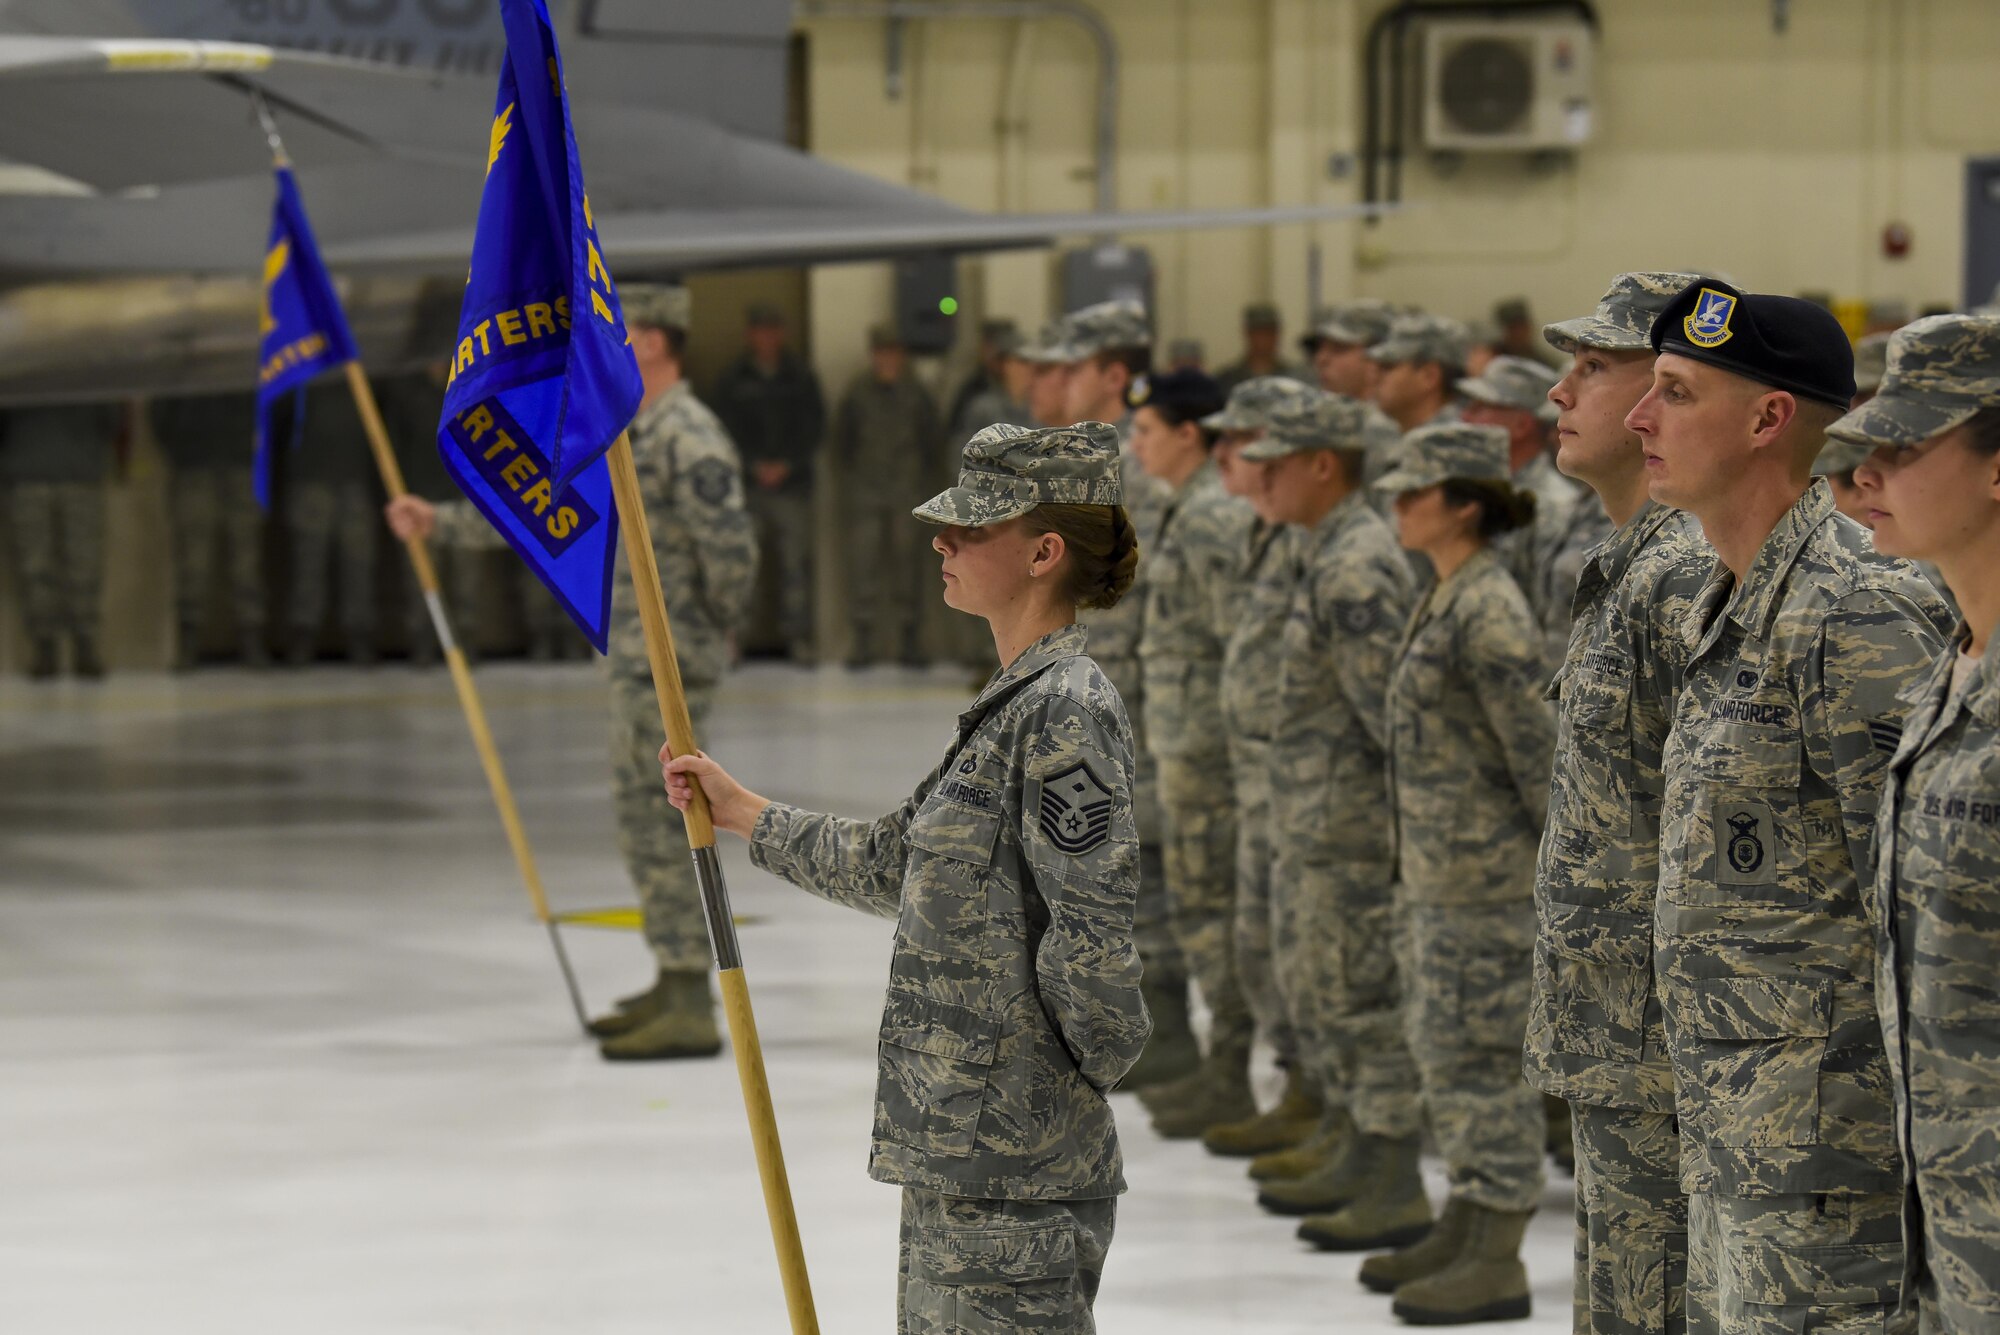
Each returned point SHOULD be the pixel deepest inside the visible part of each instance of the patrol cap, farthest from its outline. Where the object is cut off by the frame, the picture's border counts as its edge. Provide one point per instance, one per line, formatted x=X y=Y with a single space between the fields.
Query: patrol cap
x=1184 y=396
x=1943 y=369
x=1104 y=327
x=1261 y=315
x=998 y=328
x=1362 y=323
x=1871 y=361
x=1433 y=454
x=884 y=335
x=1511 y=382
x=661 y=305
x=1623 y=320
x=1783 y=342
x=1514 y=310
x=1253 y=402
x=1007 y=471
x=1049 y=346
x=1318 y=421
x=1423 y=338
x=763 y=315
x=1185 y=350
x=1008 y=342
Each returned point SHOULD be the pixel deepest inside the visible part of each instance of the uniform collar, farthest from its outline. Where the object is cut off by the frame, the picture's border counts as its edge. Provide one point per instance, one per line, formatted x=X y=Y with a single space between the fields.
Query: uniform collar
x=1754 y=601
x=1982 y=693
x=1612 y=557
x=668 y=398
x=1445 y=592
x=1336 y=521
x=1064 y=642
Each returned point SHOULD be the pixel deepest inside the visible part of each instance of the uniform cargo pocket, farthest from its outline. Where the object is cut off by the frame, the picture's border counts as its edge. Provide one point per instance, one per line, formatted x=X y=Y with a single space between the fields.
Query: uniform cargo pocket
x=988 y=1281
x=1756 y=1050
x=935 y=1058
x=955 y=829
x=1493 y=991
x=1600 y=968
x=1778 y=1276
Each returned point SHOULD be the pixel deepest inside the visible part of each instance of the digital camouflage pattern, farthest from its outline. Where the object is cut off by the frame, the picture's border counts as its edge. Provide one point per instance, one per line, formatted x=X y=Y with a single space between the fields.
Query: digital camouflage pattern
x=213 y=511
x=1013 y=1003
x=1470 y=746
x=1000 y=1265
x=1251 y=715
x=1448 y=450
x=1765 y=954
x=1781 y=734
x=1194 y=591
x=1631 y=1222
x=1942 y=370
x=1511 y=382
x=706 y=549
x=1779 y=1264
x=1938 y=929
x=1006 y=471
x=1560 y=547
x=1254 y=402
x=1623 y=320
x=1362 y=323
x=1594 y=1028
x=330 y=536
x=1333 y=890
x=1419 y=337
x=885 y=439
x=1103 y=327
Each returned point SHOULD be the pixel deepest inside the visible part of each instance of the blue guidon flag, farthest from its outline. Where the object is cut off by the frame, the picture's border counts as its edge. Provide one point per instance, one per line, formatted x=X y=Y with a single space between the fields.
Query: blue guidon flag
x=542 y=380
x=301 y=327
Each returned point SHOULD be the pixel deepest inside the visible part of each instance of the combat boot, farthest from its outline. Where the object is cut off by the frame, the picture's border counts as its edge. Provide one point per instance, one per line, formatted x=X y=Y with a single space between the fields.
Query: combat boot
x=42 y=662
x=1438 y=1249
x=1217 y=1092
x=303 y=651
x=360 y=649
x=1291 y=1122
x=633 y=1011
x=254 y=653
x=1389 y=1208
x=1339 y=1179
x=1486 y=1282
x=424 y=650
x=1170 y=1052
x=684 y=1026
x=83 y=658
x=1309 y=1156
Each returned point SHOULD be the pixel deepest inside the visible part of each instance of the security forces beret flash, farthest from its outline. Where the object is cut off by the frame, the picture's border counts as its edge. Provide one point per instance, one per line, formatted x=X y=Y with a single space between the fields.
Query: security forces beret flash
x=1783 y=342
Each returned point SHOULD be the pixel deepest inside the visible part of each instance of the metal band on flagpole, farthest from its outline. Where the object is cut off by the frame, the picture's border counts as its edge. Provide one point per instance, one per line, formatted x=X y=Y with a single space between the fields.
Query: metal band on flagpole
x=736 y=1008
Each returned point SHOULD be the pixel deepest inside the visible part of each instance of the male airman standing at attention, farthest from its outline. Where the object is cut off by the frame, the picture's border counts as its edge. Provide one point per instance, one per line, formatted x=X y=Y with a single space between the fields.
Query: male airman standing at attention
x=1803 y=640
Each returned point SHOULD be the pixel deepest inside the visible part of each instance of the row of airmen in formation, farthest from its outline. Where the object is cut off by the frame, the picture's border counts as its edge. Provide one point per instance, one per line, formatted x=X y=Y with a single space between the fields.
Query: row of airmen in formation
x=1617 y=742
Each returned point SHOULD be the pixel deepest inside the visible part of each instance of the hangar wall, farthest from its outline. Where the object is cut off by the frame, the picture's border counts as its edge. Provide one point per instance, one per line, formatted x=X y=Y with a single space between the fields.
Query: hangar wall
x=1722 y=144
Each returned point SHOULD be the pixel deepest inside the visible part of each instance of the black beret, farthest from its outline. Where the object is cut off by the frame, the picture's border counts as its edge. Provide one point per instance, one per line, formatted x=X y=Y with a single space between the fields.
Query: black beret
x=1782 y=342
x=1185 y=396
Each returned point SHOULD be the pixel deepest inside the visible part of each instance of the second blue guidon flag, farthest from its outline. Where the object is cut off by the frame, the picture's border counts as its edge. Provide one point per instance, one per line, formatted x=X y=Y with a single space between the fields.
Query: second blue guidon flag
x=542 y=380
x=302 y=330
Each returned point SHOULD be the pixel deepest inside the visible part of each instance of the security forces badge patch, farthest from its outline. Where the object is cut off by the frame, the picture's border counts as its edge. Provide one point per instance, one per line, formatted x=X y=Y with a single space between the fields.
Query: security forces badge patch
x=1743 y=833
x=1075 y=811
x=1707 y=326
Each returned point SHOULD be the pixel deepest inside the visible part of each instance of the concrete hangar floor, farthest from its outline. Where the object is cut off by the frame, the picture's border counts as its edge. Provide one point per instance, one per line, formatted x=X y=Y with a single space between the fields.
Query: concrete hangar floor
x=284 y=1050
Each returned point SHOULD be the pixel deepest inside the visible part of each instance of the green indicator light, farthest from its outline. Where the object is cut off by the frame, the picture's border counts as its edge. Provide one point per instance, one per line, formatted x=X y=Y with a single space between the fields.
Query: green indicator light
x=949 y=305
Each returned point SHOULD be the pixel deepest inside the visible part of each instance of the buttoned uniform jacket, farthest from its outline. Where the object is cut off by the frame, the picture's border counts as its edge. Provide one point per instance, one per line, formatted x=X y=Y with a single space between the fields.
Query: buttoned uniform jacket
x=1937 y=976
x=1766 y=956
x=1595 y=1033
x=1195 y=587
x=1013 y=1005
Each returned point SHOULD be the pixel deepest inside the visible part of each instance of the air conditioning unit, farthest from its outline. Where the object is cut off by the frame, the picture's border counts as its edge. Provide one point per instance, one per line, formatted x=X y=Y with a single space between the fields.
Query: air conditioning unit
x=1507 y=85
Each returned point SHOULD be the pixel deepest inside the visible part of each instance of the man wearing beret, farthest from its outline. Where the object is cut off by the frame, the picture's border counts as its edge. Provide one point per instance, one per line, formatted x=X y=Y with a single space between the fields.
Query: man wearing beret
x=691 y=481
x=1788 y=715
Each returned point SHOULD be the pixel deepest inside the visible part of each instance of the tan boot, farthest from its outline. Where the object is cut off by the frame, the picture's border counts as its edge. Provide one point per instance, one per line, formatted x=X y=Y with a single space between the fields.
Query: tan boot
x=1171 y=1052
x=1311 y=1154
x=1336 y=1182
x=684 y=1027
x=1438 y=1249
x=1218 y=1092
x=1388 y=1208
x=633 y=1011
x=1290 y=1123
x=1486 y=1282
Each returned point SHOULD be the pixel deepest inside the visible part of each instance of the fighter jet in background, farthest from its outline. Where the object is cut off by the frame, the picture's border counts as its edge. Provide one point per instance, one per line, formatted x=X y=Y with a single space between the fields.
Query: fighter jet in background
x=128 y=259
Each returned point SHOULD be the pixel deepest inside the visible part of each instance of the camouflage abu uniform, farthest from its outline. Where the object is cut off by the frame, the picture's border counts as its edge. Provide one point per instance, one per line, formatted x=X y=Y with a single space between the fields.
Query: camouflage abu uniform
x=53 y=464
x=1248 y=699
x=1936 y=872
x=706 y=548
x=1333 y=889
x=885 y=440
x=1013 y=1003
x=1766 y=956
x=1115 y=632
x=1470 y=747
x=1595 y=1034
x=1194 y=590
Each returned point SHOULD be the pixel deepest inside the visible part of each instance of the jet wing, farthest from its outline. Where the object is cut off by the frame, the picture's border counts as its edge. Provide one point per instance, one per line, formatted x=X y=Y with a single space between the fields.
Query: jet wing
x=115 y=114
x=676 y=241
